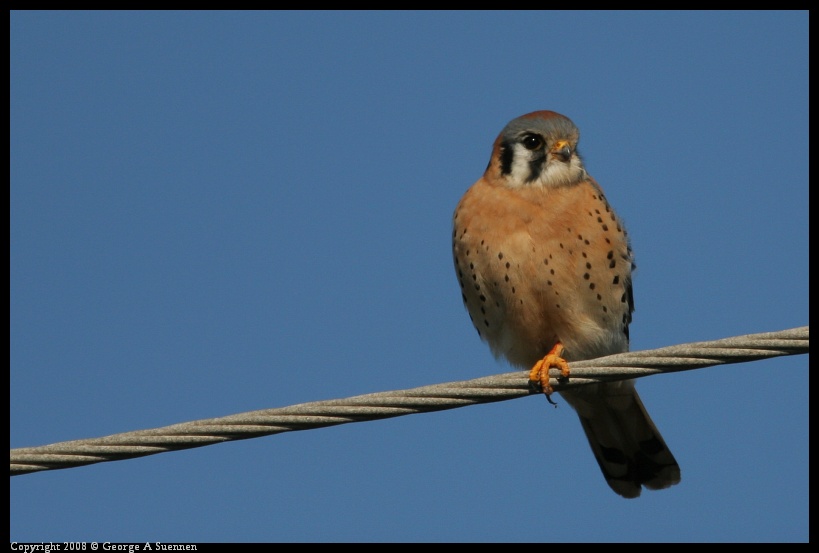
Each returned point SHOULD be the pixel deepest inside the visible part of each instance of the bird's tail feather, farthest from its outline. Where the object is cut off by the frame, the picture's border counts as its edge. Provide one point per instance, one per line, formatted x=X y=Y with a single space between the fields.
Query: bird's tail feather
x=628 y=447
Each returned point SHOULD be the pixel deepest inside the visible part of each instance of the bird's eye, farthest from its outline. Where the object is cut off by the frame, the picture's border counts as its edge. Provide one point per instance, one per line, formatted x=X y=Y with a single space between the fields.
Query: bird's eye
x=532 y=142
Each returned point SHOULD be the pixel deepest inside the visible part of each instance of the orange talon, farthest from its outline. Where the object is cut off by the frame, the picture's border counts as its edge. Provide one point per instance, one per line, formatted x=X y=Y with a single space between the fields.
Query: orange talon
x=539 y=375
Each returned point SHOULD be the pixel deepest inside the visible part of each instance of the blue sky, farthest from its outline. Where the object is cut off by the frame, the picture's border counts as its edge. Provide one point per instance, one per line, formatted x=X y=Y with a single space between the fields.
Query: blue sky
x=212 y=213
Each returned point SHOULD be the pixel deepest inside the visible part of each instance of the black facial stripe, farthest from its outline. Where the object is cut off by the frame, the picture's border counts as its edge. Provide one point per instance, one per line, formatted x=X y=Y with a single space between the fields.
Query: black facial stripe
x=535 y=167
x=506 y=157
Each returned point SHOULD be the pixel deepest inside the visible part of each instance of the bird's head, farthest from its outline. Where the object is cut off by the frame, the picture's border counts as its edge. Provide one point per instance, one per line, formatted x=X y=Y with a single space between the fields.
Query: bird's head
x=537 y=149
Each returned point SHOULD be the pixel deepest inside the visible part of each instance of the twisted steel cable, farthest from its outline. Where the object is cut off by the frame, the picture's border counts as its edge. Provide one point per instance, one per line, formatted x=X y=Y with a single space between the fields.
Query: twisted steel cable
x=382 y=405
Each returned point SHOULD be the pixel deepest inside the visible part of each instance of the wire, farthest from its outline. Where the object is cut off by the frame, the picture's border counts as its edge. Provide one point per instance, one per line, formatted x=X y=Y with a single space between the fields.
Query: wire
x=383 y=405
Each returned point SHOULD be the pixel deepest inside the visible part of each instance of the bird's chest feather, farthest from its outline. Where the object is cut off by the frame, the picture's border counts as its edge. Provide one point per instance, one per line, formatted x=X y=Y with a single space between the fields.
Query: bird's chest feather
x=536 y=267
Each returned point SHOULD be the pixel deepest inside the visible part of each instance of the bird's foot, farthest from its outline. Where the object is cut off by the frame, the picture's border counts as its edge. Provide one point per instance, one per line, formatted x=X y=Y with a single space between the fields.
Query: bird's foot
x=539 y=375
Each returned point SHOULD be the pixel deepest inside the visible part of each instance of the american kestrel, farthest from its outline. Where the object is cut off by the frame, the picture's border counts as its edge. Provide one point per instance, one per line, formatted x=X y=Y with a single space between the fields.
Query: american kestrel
x=545 y=267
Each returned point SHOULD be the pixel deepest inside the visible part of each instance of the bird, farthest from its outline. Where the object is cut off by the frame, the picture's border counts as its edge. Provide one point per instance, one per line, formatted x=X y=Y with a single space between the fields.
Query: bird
x=545 y=270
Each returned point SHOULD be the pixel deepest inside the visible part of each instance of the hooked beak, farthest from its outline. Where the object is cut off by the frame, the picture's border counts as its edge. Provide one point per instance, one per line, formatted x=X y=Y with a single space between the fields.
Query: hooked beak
x=562 y=150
